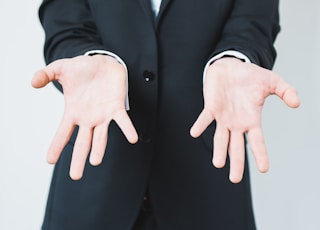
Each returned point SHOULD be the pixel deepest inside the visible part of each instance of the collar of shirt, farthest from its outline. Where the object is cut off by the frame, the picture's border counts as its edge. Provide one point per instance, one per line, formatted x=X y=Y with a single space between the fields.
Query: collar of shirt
x=155 y=4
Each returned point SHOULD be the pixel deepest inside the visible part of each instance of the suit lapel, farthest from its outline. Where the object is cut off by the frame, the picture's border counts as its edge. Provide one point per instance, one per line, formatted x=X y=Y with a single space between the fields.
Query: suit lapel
x=163 y=7
x=146 y=5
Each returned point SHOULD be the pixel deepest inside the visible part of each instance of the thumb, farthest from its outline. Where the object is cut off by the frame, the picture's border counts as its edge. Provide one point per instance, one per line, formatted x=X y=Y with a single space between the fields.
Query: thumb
x=282 y=89
x=287 y=93
x=290 y=97
x=42 y=77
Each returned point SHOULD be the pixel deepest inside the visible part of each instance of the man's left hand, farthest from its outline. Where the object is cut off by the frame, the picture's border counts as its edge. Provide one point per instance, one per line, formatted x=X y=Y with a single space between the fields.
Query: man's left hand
x=234 y=94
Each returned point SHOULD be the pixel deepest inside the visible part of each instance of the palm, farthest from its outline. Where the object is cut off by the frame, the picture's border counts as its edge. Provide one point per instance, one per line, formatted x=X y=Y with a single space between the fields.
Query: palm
x=92 y=94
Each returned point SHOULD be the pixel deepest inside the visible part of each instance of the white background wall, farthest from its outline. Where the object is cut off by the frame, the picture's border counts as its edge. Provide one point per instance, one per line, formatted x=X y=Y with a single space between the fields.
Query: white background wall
x=288 y=197
x=285 y=198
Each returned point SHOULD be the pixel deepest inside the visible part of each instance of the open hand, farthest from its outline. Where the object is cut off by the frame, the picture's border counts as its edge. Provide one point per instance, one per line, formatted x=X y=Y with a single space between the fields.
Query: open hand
x=234 y=94
x=94 y=91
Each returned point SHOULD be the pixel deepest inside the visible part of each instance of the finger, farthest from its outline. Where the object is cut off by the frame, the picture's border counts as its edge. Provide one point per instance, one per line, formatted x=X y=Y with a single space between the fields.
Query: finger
x=80 y=152
x=258 y=147
x=125 y=124
x=291 y=98
x=99 y=142
x=237 y=156
x=48 y=74
x=221 y=141
x=60 y=139
x=204 y=120
x=42 y=77
x=286 y=92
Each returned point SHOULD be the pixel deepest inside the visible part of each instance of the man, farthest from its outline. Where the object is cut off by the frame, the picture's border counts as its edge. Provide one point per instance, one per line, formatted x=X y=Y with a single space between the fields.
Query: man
x=163 y=178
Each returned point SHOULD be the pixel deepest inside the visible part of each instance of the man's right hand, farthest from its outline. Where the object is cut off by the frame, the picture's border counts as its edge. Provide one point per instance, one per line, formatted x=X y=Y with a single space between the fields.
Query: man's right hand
x=94 y=91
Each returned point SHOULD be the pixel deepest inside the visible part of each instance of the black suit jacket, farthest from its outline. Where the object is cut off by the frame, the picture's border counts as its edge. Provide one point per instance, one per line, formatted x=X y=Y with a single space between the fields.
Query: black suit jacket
x=165 y=59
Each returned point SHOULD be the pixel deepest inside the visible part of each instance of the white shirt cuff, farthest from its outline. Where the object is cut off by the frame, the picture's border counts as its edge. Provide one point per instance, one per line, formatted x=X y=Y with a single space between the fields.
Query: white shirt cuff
x=233 y=53
x=104 y=52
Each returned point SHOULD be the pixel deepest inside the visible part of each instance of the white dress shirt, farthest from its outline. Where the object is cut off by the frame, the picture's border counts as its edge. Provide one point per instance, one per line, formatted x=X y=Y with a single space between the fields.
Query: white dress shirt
x=155 y=5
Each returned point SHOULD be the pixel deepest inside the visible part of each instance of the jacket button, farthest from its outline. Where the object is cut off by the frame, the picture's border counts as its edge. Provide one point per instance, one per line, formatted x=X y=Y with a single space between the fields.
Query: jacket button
x=148 y=76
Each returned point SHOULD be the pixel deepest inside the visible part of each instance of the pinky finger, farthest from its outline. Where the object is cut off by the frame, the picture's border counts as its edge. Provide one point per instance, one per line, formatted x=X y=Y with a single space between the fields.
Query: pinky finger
x=204 y=120
x=125 y=124
x=59 y=141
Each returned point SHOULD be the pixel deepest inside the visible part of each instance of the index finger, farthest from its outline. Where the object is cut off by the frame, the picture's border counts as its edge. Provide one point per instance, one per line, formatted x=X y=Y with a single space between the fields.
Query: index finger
x=258 y=147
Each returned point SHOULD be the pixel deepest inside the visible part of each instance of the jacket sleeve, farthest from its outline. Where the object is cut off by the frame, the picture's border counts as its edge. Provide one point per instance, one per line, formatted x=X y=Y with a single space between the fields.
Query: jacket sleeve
x=251 y=29
x=69 y=29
